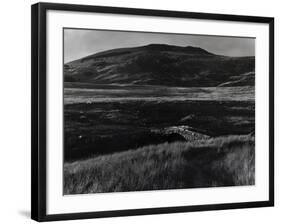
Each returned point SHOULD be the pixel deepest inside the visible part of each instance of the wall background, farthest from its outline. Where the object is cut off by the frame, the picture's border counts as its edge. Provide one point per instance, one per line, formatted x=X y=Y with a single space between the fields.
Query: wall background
x=15 y=110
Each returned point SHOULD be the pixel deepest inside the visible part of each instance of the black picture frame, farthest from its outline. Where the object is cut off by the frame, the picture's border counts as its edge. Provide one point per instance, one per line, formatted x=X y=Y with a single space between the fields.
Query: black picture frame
x=39 y=122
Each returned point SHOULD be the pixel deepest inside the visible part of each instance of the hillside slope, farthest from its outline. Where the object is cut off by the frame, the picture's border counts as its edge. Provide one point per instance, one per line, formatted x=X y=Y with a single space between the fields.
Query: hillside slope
x=160 y=64
x=223 y=161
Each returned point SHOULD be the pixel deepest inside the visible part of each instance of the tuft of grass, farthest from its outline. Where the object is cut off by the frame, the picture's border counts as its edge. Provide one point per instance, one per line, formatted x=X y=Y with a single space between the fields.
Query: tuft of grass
x=222 y=161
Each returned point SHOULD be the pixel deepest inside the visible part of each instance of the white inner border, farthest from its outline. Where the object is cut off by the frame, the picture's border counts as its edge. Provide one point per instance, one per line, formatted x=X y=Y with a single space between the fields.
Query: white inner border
x=57 y=203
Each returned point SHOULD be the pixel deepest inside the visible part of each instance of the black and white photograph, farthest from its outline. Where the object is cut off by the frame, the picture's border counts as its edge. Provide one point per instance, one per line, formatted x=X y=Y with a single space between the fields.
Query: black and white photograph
x=157 y=111
x=142 y=111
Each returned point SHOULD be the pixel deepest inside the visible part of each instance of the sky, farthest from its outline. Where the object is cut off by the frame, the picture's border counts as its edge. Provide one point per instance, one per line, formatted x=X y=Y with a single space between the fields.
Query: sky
x=79 y=43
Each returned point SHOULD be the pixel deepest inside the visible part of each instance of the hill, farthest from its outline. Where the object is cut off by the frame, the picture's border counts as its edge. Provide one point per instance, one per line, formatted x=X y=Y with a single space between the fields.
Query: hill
x=160 y=64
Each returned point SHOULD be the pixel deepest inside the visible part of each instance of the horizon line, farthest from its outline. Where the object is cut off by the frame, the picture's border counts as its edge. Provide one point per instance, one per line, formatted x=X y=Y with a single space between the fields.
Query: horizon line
x=139 y=46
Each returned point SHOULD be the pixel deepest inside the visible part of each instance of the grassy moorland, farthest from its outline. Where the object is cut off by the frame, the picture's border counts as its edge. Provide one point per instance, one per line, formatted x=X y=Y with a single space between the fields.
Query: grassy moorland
x=222 y=161
x=158 y=117
x=96 y=124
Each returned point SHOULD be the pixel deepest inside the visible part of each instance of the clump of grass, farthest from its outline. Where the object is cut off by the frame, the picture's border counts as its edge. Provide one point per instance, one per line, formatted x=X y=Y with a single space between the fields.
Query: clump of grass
x=223 y=161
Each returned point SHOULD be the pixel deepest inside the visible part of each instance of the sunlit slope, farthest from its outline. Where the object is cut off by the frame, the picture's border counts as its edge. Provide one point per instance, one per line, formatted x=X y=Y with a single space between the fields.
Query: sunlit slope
x=223 y=161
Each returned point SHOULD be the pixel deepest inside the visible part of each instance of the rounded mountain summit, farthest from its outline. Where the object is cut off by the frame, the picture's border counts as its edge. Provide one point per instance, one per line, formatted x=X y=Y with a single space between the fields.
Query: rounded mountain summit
x=162 y=64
